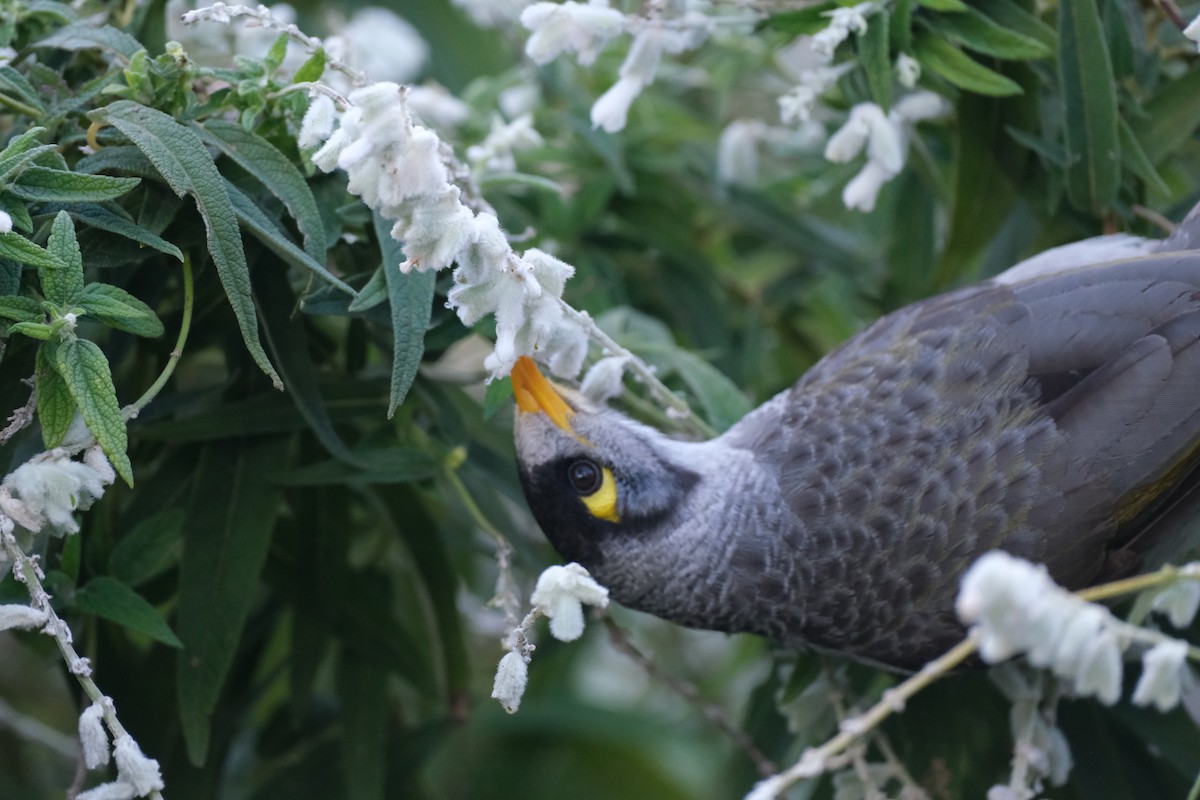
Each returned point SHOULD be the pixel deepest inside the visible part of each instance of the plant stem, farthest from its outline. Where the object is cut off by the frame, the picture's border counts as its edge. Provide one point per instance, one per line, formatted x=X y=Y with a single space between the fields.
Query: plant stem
x=185 y=325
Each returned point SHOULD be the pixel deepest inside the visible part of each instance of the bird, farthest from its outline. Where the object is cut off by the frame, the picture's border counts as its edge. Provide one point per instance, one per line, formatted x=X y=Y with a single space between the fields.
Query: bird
x=1052 y=412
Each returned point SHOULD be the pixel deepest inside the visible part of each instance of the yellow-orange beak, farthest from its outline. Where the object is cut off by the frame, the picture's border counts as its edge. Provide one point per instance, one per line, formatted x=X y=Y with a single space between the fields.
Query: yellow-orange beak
x=534 y=393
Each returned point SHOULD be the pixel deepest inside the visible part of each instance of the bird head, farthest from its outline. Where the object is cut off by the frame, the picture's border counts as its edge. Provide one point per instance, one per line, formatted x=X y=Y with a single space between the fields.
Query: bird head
x=602 y=486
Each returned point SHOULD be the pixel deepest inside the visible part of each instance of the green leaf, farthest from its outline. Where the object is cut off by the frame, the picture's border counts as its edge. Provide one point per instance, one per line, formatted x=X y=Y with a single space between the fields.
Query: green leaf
x=411 y=299
x=14 y=83
x=312 y=69
x=109 y=598
x=16 y=247
x=1172 y=117
x=40 y=184
x=951 y=6
x=1134 y=157
x=89 y=36
x=178 y=154
x=85 y=370
x=15 y=152
x=276 y=171
x=721 y=400
x=119 y=309
x=978 y=32
x=875 y=56
x=1011 y=15
x=263 y=229
x=802 y=22
x=941 y=57
x=374 y=292
x=61 y=285
x=290 y=346
x=18 y=211
x=55 y=405
x=21 y=309
x=365 y=722
x=113 y=219
x=1090 y=113
x=35 y=330
x=900 y=24
x=231 y=515
x=149 y=549
x=394 y=465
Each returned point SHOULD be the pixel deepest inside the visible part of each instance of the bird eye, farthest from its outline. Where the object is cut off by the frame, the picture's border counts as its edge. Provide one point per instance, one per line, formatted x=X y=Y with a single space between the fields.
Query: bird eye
x=584 y=475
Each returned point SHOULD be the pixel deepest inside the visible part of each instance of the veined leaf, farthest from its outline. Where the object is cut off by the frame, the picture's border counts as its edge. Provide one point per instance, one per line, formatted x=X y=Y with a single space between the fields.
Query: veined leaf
x=119 y=309
x=230 y=519
x=1136 y=159
x=16 y=247
x=411 y=299
x=15 y=83
x=39 y=184
x=276 y=171
x=55 y=405
x=87 y=36
x=85 y=370
x=18 y=211
x=1171 y=118
x=1011 y=15
x=61 y=285
x=21 y=309
x=1090 y=114
x=875 y=55
x=312 y=69
x=801 y=22
x=113 y=220
x=373 y=292
x=941 y=57
x=178 y=154
x=109 y=598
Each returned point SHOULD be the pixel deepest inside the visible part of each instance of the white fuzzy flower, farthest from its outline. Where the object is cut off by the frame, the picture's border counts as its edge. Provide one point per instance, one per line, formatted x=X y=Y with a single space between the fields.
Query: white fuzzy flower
x=560 y=593
x=919 y=106
x=52 y=487
x=496 y=151
x=381 y=44
x=135 y=768
x=6 y=223
x=93 y=738
x=1099 y=671
x=604 y=379
x=1192 y=31
x=318 y=122
x=512 y=675
x=434 y=231
x=583 y=29
x=611 y=110
x=908 y=70
x=116 y=790
x=863 y=189
x=436 y=107
x=565 y=348
x=17 y=616
x=737 y=152
x=842 y=22
x=1179 y=602
x=1162 y=673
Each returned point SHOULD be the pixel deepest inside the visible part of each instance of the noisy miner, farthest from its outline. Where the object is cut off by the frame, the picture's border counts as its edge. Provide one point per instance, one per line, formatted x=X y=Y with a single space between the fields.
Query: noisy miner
x=1052 y=412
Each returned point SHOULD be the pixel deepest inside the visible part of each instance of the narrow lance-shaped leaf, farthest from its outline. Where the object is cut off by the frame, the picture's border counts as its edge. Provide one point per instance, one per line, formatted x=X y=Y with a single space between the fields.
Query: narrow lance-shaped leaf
x=85 y=370
x=61 y=285
x=178 y=154
x=1090 y=113
x=231 y=516
x=943 y=58
x=984 y=35
x=21 y=309
x=109 y=598
x=16 y=247
x=411 y=297
x=874 y=49
x=45 y=185
x=119 y=309
x=110 y=218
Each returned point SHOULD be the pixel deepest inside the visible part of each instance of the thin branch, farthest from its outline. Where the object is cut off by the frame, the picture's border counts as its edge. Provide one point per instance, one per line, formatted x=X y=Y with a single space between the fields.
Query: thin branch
x=131 y=411
x=711 y=711
x=23 y=416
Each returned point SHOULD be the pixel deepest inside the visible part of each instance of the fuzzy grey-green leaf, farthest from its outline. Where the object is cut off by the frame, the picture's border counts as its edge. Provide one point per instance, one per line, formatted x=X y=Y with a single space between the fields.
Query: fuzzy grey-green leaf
x=411 y=299
x=44 y=185
x=21 y=309
x=55 y=405
x=61 y=285
x=118 y=309
x=178 y=154
x=85 y=370
x=16 y=247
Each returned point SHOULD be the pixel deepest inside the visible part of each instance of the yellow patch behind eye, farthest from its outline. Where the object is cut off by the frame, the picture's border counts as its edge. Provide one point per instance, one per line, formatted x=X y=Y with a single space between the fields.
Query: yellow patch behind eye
x=603 y=502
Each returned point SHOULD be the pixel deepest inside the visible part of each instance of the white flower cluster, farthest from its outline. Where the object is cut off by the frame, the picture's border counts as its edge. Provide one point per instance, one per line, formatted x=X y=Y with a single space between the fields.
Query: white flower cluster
x=396 y=166
x=1014 y=607
x=495 y=152
x=560 y=595
x=884 y=136
x=586 y=29
x=49 y=488
x=137 y=775
x=842 y=22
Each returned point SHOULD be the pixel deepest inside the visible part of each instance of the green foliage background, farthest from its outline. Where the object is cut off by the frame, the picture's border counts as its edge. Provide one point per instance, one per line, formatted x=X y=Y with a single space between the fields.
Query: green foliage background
x=321 y=567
